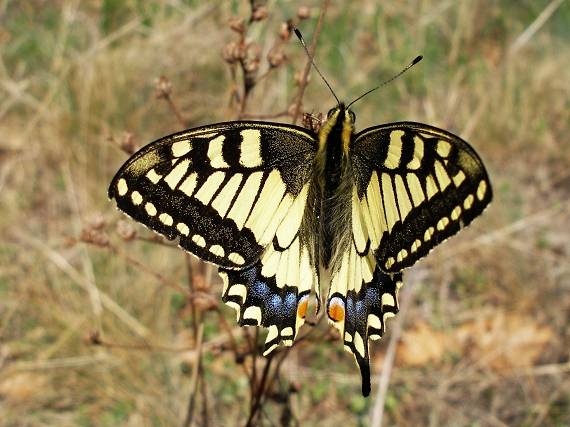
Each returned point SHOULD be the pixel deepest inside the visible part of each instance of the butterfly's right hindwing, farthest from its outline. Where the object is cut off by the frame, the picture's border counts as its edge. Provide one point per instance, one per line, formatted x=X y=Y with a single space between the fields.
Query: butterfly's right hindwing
x=223 y=190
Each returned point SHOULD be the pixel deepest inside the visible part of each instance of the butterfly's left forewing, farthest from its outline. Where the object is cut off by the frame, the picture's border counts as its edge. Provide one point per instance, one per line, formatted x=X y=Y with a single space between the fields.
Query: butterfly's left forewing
x=416 y=185
x=234 y=194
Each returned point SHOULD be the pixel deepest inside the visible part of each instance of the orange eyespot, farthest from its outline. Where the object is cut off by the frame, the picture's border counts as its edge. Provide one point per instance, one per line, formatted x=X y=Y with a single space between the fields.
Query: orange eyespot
x=302 y=306
x=336 y=309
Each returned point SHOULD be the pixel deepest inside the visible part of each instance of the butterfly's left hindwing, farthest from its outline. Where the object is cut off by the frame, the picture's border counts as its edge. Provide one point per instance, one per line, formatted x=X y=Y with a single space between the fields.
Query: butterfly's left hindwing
x=415 y=186
x=275 y=291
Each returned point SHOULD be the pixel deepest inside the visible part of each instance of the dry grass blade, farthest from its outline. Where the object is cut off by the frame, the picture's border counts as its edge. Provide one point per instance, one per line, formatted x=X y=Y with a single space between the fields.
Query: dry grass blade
x=535 y=26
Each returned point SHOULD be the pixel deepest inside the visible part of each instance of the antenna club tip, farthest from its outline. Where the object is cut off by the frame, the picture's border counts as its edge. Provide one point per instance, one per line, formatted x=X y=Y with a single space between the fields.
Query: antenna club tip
x=297 y=32
x=417 y=59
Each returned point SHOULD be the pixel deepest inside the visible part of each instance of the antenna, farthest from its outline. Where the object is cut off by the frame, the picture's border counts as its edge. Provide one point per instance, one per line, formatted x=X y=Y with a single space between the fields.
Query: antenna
x=406 y=68
x=300 y=36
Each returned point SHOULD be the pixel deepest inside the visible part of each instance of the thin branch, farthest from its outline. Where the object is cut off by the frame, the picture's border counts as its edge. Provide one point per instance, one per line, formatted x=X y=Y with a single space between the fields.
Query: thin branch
x=205 y=405
x=193 y=311
x=260 y=393
x=176 y=111
x=312 y=49
x=164 y=91
x=195 y=377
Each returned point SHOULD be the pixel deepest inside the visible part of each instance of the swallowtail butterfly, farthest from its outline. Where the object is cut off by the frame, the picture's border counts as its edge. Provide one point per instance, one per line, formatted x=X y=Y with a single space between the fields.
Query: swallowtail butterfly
x=274 y=205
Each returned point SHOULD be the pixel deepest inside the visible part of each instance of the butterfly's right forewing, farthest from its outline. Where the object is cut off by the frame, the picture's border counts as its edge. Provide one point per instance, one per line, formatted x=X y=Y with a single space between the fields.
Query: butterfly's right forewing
x=416 y=186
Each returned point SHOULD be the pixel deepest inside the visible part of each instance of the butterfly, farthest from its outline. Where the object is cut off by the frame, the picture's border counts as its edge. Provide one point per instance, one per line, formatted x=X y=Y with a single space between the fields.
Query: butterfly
x=277 y=206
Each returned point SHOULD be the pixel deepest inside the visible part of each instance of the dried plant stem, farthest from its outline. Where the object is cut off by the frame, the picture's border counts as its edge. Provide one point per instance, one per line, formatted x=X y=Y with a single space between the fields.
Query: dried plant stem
x=195 y=377
x=204 y=391
x=312 y=49
x=253 y=352
x=260 y=392
x=536 y=25
x=164 y=89
x=176 y=111
x=193 y=311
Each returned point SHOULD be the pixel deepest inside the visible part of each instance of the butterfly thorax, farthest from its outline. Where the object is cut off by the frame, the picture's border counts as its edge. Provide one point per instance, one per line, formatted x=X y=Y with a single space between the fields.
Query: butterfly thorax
x=334 y=140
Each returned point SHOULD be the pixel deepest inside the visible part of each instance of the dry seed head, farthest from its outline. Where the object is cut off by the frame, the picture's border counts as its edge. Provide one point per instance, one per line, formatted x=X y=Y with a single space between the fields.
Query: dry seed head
x=259 y=13
x=276 y=57
x=238 y=25
x=251 y=66
x=126 y=231
x=163 y=87
x=94 y=337
x=96 y=222
x=253 y=51
x=128 y=143
x=205 y=303
x=200 y=283
x=94 y=237
x=285 y=30
x=233 y=52
x=312 y=121
x=303 y=12
x=252 y=58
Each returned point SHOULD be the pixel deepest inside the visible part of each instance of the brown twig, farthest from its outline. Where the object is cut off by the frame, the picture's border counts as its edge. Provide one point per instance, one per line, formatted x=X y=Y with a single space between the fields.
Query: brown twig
x=193 y=311
x=164 y=91
x=96 y=339
x=253 y=350
x=304 y=80
x=260 y=393
x=195 y=378
x=204 y=391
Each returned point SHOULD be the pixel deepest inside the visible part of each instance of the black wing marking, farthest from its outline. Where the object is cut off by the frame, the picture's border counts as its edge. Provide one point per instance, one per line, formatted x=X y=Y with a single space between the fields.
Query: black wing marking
x=416 y=186
x=361 y=298
x=222 y=189
x=274 y=292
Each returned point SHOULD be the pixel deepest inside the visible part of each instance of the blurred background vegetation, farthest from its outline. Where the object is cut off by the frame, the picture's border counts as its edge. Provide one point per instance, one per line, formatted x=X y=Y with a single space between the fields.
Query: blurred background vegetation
x=98 y=325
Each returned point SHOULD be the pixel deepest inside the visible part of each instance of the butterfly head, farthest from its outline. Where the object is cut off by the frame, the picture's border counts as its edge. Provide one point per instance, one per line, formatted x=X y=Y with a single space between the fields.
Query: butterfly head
x=341 y=113
x=340 y=121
